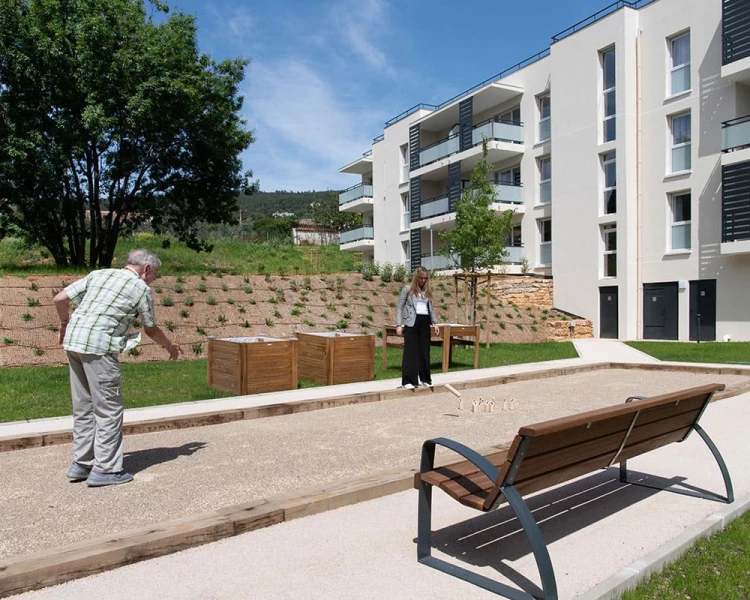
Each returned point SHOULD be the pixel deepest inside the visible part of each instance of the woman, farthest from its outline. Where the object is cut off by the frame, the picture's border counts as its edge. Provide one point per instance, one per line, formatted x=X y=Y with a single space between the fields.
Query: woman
x=414 y=316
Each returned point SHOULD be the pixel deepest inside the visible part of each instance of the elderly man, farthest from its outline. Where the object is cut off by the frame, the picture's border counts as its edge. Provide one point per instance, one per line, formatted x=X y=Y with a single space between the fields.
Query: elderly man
x=107 y=302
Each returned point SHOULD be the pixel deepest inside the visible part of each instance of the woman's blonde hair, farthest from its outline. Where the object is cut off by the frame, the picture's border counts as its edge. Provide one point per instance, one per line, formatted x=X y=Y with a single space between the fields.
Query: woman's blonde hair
x=415 y=289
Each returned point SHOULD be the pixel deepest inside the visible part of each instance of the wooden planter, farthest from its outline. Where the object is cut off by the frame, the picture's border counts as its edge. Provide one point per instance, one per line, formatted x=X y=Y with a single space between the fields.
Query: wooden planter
x=333 y=358
x=251 y=365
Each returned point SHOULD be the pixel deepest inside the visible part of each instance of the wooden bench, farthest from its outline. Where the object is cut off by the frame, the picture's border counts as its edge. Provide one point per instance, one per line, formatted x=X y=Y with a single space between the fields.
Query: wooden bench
x=552 y=452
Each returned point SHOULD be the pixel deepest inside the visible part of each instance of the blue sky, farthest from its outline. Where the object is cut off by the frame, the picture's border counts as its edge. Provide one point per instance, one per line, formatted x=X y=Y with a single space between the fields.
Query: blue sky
x=326 y=74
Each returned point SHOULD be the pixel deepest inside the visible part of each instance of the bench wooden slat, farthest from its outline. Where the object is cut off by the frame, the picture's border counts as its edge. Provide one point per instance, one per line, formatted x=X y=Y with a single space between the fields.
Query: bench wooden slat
x=573 y=421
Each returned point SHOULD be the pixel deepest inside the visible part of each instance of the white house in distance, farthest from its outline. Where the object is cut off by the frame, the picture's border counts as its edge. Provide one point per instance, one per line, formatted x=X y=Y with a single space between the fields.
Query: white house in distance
x=624 y=149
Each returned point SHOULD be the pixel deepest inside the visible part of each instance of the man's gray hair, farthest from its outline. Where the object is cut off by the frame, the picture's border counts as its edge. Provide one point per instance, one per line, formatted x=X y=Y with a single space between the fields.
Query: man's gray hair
x=141 y=256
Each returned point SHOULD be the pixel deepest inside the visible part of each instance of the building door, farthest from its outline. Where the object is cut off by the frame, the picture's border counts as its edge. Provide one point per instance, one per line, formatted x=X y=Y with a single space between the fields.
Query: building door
x=608 y=313
x=660 y=313
x=703 y=310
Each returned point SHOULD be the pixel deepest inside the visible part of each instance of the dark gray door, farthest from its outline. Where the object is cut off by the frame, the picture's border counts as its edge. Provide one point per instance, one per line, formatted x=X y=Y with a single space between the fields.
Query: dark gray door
x=608 y=313
x=660 y=314
x=703 y=310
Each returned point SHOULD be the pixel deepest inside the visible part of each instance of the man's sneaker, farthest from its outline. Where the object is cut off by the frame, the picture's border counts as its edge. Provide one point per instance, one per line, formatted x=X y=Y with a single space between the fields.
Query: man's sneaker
x=408 y=386
x=101 y=479
x=425 y=384
x=77 y=472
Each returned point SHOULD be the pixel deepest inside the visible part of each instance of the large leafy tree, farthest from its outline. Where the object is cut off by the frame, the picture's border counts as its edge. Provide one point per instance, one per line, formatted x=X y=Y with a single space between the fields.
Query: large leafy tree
x=109 y=118
x=478 y=241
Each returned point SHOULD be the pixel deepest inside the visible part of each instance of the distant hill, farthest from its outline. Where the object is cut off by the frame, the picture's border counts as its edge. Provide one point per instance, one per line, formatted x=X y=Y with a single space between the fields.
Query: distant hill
x=264 y=204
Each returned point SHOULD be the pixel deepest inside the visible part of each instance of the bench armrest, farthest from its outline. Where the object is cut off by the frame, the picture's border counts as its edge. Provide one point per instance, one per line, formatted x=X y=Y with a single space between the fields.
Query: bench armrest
x=428 y=457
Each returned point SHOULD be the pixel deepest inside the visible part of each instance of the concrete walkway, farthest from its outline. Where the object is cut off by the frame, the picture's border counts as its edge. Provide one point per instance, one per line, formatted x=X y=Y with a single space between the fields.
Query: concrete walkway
x=367 y=550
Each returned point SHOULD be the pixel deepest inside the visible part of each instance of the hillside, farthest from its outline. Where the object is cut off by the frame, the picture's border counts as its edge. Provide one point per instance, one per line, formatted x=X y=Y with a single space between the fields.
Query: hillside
x=264 y=204
x=194 y=307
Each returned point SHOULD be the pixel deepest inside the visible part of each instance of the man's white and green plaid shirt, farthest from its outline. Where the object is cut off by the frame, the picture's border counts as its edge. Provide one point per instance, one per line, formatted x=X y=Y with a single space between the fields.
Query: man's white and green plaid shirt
x=108 y=303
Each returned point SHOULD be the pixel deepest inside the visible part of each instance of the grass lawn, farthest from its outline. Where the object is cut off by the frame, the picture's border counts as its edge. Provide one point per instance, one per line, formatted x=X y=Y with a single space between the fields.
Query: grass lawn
x=716 y=568
x=39 y=392
x=706 y=352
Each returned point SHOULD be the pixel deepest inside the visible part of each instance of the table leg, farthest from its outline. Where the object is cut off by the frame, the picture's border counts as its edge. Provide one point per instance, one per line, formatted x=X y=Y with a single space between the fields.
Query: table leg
x=446 y=347
x=385 y=349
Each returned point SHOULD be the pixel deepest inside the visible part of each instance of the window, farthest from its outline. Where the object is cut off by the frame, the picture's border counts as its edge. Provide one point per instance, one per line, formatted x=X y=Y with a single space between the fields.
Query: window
x=510 y=176
x=406 y=212
x=404 y=163
x=544 y=118
x=609 y=167
x=679 y=205
x=609 y=237
x=609 y=124
x=545 y=180
x=545 y=241
x=681 y=146
x=513 y=237
x=512 y=116
x=679 y=49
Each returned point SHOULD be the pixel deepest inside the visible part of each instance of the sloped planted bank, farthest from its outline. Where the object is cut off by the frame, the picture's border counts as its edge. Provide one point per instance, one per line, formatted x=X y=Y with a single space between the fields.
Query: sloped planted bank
x=195 y=307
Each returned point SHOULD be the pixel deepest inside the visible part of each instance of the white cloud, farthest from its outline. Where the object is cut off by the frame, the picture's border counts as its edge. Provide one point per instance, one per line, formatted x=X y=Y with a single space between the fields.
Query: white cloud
x=358 y=23
x=304 y=130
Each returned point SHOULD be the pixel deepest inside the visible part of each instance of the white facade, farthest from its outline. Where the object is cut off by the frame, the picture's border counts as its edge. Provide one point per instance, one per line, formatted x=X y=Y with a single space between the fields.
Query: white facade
x=631 y=140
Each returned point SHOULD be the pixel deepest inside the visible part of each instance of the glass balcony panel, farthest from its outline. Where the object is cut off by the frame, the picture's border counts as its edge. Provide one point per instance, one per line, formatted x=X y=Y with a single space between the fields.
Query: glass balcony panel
x=545 y=192
x=434 y=207
x=436 y=262
x=495 y=130
x=515 y=254
x=681 y=79
x=735 y=135
x=405 y=221
x=545 y=129
x=362 y=190
x=438 y=151
x=681 y=158
x=681 y=237
x=545 y=254
x=405 y=173
x=355 y=235
x=509 y=194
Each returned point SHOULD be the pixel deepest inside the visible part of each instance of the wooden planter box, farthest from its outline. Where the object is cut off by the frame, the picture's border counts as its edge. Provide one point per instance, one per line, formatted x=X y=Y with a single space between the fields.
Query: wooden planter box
x=333 y=358
x=251 y=365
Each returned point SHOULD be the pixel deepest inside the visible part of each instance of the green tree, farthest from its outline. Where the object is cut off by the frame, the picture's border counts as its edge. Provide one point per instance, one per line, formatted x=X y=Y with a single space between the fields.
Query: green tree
x=326 y=213
x=108 y=119
x=478 y=240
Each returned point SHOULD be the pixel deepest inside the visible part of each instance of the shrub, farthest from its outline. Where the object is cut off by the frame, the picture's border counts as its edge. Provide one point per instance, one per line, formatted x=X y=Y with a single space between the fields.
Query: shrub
x=188 y=300
x=296 y=312
x=347 y=315
x=210 y=300
x=180 y=279
x=309 y=323
x=230 y=300
x=386 y=272
x=157 y=289
x=27 y=316
x=248 y=289
x=177 y=288
x=32 y=302
x=399 y=273
x=167 y=301
x=369 y=271
x=184 y=314
x=53 y=328
x=269 y=321
x=202 y=287
x=245 y=323
x=342 y=324
x=241 y=309
x=33 y=287
x=134 y=352
x=200 y=330
x=169 y=325
x=8 y=341
x=224 y=287
x=197 y=348
x=277 y=314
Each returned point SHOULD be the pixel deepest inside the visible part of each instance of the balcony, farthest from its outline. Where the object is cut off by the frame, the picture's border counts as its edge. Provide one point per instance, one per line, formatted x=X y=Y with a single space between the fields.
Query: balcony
x=735 y=134
x=357 y=239
x=433 y=207
x=545 y=192
x=492 y=130
x=735 y=205
x=356 y=199
x=735 y=35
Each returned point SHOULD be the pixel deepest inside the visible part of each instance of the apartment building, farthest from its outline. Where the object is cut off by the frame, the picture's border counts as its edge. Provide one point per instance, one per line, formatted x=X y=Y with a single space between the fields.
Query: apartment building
x=624 y=151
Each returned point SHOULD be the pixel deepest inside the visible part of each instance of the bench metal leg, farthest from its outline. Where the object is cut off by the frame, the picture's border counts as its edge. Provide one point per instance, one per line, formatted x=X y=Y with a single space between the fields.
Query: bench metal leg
x=729 y=498
x=530 y=527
